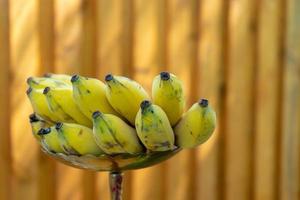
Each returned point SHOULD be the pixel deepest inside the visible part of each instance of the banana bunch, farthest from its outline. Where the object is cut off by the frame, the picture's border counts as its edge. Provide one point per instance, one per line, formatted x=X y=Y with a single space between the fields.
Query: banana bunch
x=78 y=115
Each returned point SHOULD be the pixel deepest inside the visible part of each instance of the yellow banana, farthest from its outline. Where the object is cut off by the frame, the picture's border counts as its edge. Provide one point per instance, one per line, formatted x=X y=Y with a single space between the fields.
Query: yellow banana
x=167 y=92
x=89 y=95
x=50 y=139
x=63 y=97
x=153 y=128
x=113 y=135
x=77 y=137
x=42 y=82
x=40 y=105
x=125 y=95
x=37 y=124
x=196 y=125
x=60 y=77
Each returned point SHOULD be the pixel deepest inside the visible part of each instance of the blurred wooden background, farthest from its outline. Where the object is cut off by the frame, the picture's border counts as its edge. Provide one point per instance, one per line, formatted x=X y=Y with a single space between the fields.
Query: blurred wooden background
x=243 y=55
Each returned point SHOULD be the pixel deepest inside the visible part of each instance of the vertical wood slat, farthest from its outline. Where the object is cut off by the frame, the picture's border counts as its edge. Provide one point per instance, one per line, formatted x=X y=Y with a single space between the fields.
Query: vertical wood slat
x=46 y=166
x=182 y=53
x=290 y=140
x=267 y=99
x=211 y=78
x=239 y=100
x=68 y=24
x=5 y=150
x=148 y=62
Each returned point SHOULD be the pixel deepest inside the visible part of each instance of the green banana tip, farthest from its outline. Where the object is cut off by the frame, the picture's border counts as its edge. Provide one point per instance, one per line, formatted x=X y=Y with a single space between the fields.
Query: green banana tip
x=145 y=104
x=44 y=131
x=109 y=77
x=203 y=103
x=46 y=90
x=33 y=118
x=75 y=78
x=96 y=114
x=29 y=90
x=165 y=76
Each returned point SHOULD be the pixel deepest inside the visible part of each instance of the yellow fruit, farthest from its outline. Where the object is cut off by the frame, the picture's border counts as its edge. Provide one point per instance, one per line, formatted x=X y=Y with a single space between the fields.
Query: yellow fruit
x=125 y=95
x=196 y=125
x=153 y=128
x=42 y=82
x=50 y=139
x=167 y=92
x=89 y=95
x=114 y=136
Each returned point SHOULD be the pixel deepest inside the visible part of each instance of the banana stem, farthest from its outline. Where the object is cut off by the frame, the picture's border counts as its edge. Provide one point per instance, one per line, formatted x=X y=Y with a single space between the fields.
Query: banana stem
x=115 y=183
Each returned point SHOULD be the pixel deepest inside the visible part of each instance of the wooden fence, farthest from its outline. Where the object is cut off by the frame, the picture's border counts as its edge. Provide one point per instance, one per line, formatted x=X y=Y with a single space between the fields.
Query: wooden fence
x=243 y=55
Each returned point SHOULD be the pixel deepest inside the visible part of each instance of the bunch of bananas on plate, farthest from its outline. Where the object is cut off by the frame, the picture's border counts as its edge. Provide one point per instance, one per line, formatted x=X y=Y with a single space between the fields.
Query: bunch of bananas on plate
x=77 y=115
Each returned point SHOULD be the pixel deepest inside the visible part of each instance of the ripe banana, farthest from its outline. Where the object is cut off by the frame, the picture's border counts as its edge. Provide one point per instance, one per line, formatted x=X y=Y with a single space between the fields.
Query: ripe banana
x=50 y=139
x=153 y=128
x=125 y=95
x=40 y=105
x=89 y=95
x=78 y=138
x=42 y=82
x=196 y=125
x=61 y=77
x=167 y=92
x=113 y=135
x=63 y=99
x=37 y=124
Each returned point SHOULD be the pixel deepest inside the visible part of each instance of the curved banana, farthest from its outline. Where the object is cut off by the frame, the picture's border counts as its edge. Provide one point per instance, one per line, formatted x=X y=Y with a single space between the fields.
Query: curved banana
x=63 y=98
x=125 y=95
x=153 y=128
x=196 y=125
x=78 y=138
x=167 y=92
x=50 y=139
x=89 y=95
x=40 y=105
x=114 y=136
x=61 y=77
x=37 y=124
x=42 y=82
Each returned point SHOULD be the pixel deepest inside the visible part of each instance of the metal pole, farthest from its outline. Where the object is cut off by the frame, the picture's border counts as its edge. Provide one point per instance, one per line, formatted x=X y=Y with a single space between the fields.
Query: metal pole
x=115 y=183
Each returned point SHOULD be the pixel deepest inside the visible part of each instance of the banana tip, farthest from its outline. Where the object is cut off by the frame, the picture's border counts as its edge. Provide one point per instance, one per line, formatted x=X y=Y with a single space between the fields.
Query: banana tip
x=58 y=125
x=29 y=80
x=109 y=77
x=165 y=76
x=74 y=78
x=33 y=118
x=96 y=114
x=29 y=90
x=145 y=104
x=44 y=131
x=203 y=102
x=46 y=90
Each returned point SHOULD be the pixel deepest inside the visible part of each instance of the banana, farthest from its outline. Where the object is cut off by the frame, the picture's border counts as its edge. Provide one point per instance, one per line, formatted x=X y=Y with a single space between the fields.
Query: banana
x=89 y=95
x=78 y=138
x=40 y=105
x=113 y=135
x=60 y=77
x=196 y=125
x=125 y=95
x=50 y=139
x=153 y=128
x=167 y=92
x=62 y=98
x=37 y=124
x=42 y=82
